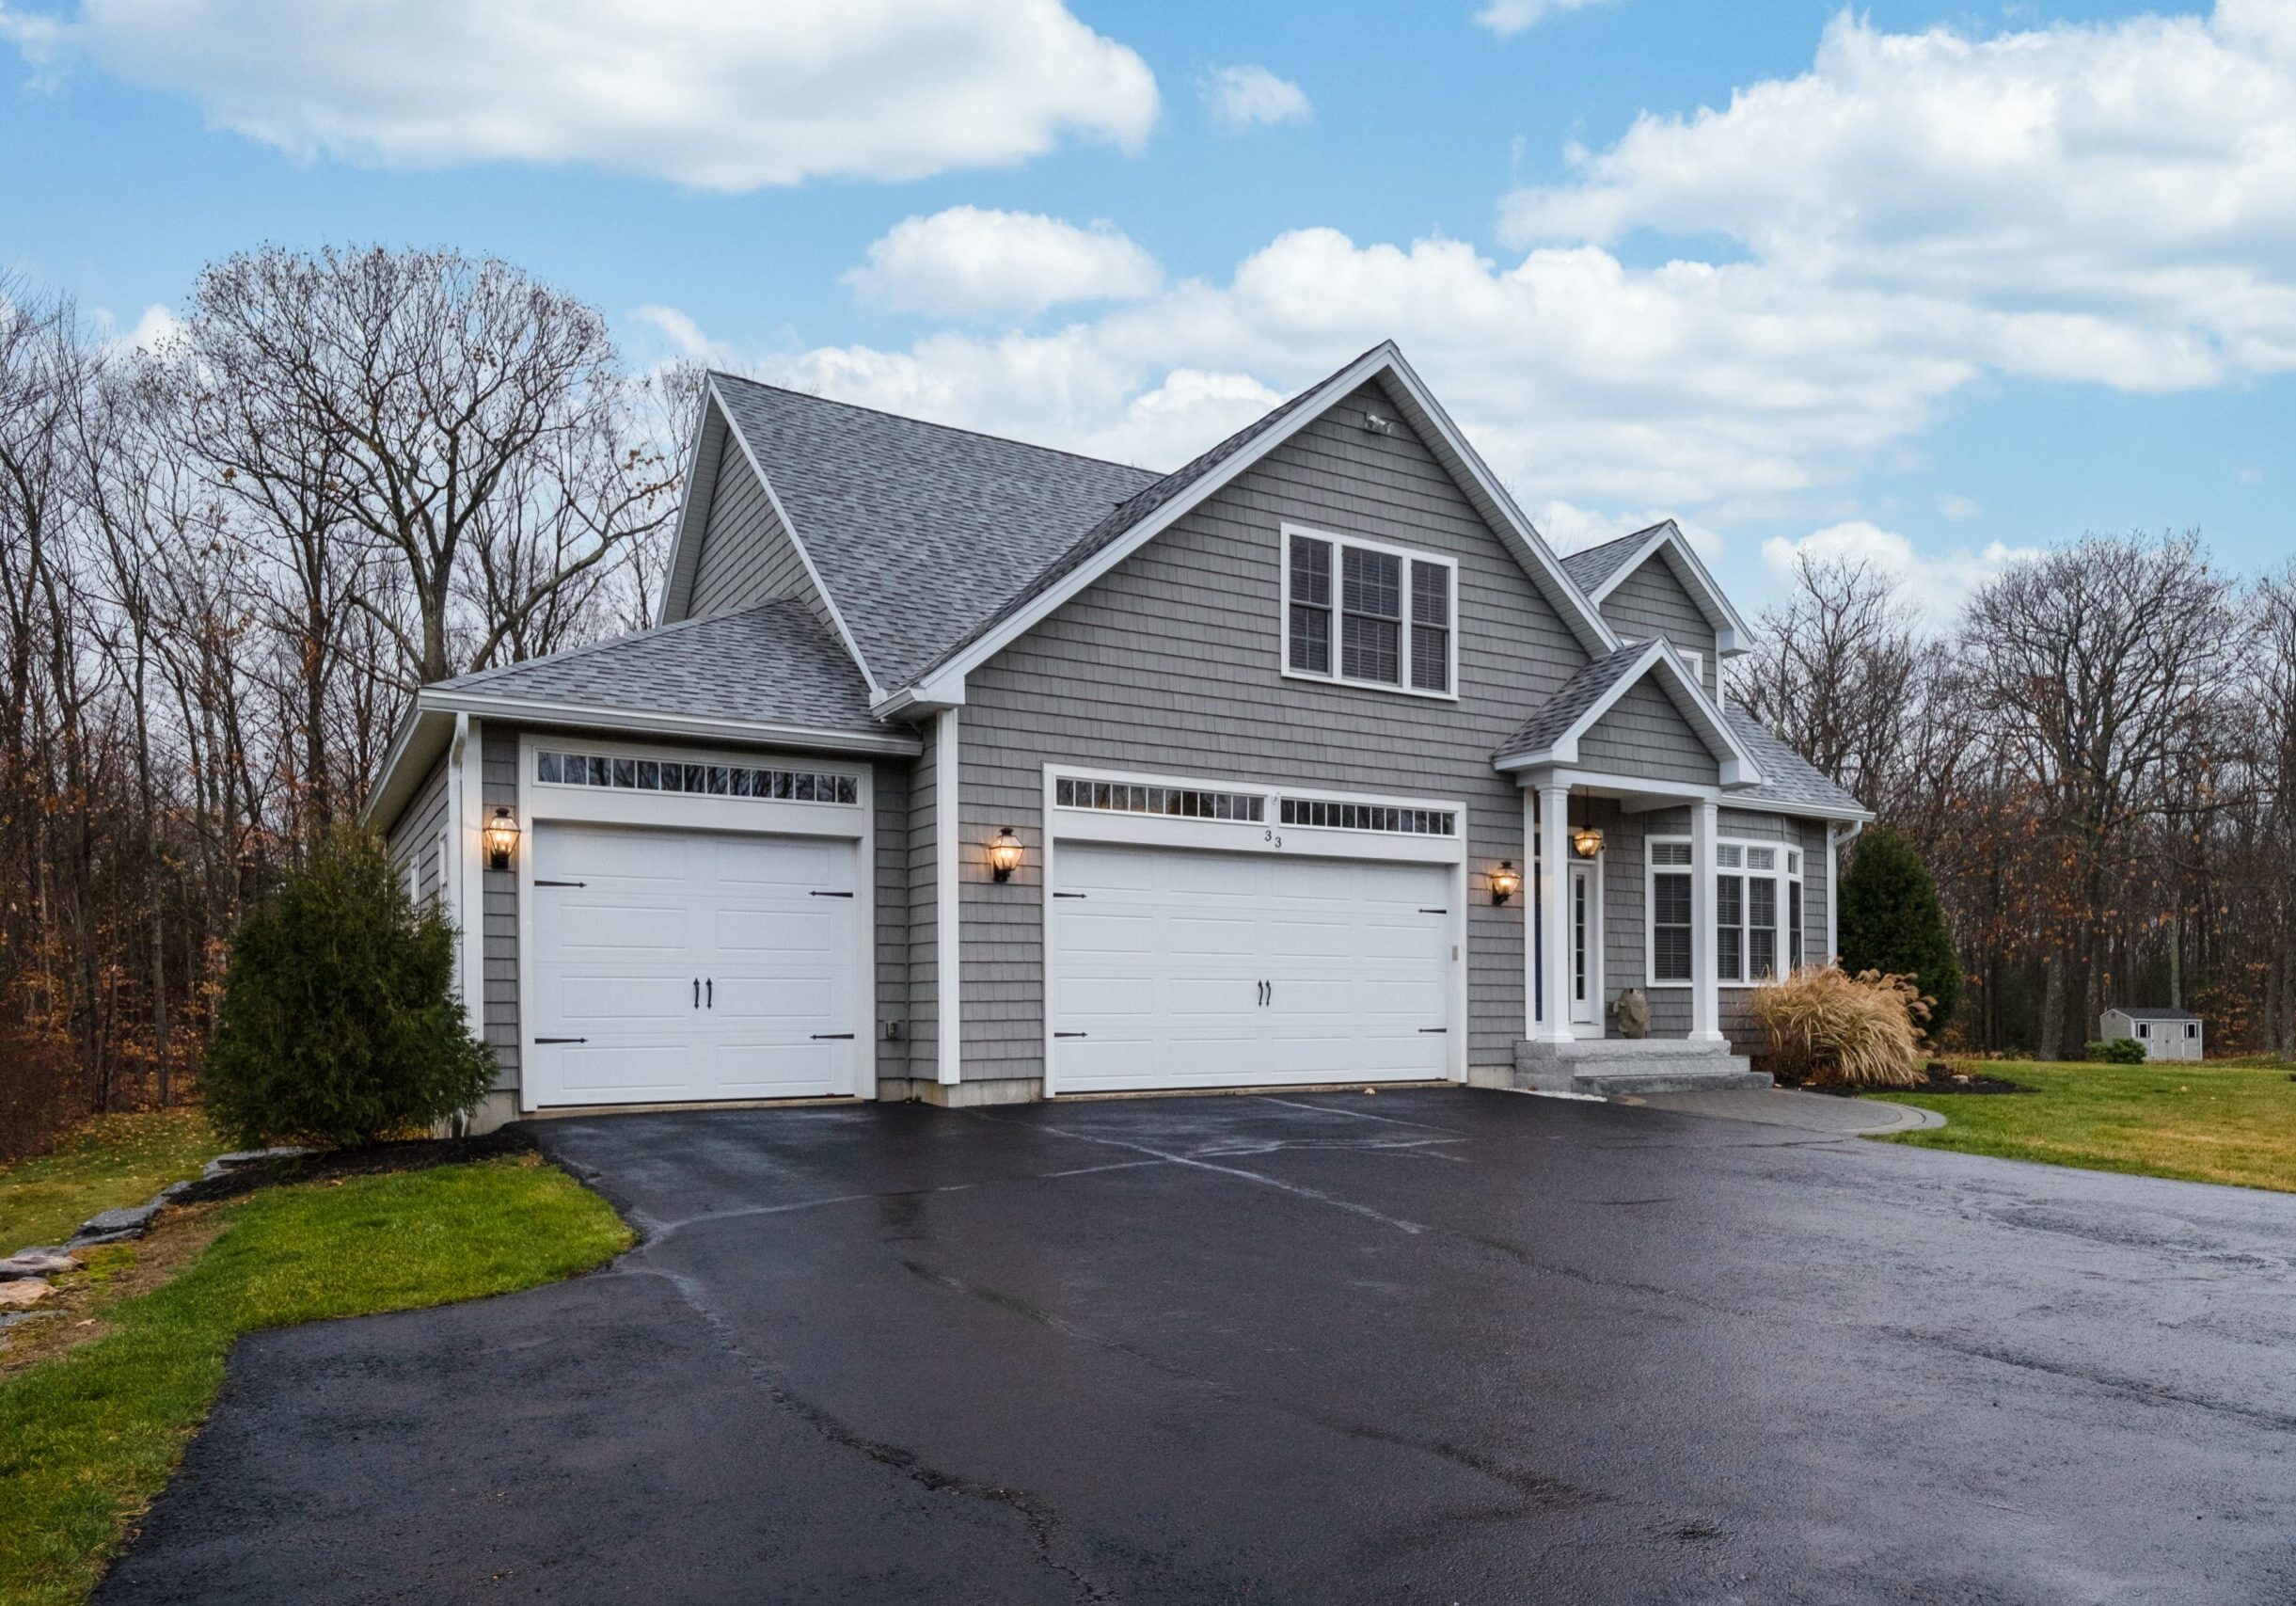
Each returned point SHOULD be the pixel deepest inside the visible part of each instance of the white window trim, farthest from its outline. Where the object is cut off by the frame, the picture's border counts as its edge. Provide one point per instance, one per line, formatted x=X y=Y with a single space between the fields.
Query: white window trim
x=1651 y=872
x=1696 y=661
x=1402 y=647
x=1706 y=943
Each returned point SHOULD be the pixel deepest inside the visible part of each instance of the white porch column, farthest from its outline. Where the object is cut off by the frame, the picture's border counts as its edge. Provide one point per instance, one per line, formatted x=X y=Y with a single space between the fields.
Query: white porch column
x=1705 y=1002
x=1554 y=911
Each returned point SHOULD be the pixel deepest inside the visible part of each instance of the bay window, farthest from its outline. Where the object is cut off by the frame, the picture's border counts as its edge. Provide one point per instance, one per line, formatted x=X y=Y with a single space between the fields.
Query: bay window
x=1365 y=615
x=1757 y=934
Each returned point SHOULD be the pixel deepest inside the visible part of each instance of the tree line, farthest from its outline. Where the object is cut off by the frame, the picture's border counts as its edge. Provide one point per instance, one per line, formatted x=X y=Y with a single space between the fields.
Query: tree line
x=2097 y=758
x=226 y=560
x=225 y=563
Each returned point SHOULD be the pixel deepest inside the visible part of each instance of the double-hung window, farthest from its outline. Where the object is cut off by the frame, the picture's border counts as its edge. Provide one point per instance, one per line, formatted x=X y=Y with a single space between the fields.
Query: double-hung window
x=1367 y=615
x=1670 y=913
x=1757 y=911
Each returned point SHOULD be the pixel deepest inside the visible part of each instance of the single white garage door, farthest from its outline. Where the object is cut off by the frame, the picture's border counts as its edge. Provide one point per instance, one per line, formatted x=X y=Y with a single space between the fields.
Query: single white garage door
x=674 y=965
x=1175 y=969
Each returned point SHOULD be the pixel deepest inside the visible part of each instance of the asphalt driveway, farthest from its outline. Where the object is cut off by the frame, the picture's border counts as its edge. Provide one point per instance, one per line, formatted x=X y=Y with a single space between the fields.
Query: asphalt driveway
x=1442 y=1347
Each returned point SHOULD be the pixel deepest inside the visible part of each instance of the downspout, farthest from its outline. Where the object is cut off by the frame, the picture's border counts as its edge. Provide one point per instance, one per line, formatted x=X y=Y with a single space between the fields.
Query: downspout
x=1836 y=840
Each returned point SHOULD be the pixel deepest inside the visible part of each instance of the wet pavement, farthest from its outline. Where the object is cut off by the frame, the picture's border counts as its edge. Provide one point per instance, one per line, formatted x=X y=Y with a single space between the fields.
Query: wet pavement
x=1445 y=1347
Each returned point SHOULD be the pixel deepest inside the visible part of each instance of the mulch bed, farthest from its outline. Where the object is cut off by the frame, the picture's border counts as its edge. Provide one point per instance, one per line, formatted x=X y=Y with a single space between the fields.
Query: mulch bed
x=374 y=1159
x=1939 y=1079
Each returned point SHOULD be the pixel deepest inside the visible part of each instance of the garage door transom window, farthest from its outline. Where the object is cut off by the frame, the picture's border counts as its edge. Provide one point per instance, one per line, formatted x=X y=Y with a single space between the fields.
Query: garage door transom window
x=556 y=767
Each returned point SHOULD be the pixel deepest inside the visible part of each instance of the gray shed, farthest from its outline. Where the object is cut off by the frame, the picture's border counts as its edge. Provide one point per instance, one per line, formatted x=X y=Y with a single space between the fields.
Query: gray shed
x=2167 y=1033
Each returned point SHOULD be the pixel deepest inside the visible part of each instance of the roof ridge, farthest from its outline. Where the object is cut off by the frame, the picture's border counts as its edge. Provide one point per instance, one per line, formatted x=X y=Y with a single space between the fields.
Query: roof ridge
x=1154 y=474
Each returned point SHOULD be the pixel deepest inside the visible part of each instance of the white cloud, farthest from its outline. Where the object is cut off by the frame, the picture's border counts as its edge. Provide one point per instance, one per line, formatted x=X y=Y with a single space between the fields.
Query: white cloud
x=2110 y=204
x=685 y=336
x=718 y=96
x=1569 y=528
x=1957 y=508
x=967 y=261
x=1248 y=97
x=2248 y=476
x=1738 y=392
x=1507 y=18
x=153 y=328
x=1935 y=582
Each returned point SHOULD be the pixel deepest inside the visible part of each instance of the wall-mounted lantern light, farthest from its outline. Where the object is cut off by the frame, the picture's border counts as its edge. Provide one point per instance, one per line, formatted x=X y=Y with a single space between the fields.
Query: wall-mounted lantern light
x=1004 y=854
x=1586 y=842
x=1505 y=881
x=501 y=834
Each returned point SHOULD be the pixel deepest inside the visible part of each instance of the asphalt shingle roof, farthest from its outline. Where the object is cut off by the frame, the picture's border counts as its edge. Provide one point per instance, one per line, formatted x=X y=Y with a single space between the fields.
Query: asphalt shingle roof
x=921 y=531
x=773 y=663
x=2152 y=1014
x=1580 y=693
x=1590 y=567
x=1788 y=777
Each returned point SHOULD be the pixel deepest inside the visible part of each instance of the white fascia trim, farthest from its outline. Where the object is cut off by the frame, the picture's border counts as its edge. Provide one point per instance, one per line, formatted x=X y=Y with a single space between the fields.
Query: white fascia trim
x=676 y=591
x=747 y=733
x=1735 y=764
x=1731 y=630
x=423 y=735
x=1596 y=634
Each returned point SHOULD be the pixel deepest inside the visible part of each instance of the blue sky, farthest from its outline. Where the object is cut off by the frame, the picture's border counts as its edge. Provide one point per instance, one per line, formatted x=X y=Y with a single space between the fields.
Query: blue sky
x=1930 y=285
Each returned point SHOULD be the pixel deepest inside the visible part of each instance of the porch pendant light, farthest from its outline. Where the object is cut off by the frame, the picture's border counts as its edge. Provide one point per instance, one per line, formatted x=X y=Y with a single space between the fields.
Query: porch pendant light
x=501 y=837
x=1004 y=854
x=1586 y=842
x=1505 y=881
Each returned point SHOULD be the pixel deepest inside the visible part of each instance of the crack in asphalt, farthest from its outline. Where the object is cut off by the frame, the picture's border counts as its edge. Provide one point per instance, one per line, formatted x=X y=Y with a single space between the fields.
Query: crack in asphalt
x=1542 y=1490
x=1036 y=1515
x=2151 y=1393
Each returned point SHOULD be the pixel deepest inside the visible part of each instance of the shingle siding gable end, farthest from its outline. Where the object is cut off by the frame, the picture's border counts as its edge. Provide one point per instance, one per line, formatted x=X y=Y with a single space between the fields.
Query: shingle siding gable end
x=747 y=555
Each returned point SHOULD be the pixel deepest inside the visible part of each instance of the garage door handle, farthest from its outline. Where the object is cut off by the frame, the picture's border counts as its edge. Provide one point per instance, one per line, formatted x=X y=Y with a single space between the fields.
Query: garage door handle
x=543 y=1039
x=832 y=1037
x=710 y=992
x=697 y=992
x=828 y=895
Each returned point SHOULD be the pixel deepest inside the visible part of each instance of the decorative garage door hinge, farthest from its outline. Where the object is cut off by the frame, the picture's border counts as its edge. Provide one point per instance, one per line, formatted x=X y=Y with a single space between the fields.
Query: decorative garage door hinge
x=1432 y=1031
x=828 y=895
x=1071 y=1034
x=561 y=1039
x=832 y=1037
x=1070 y=895
x=539 y=881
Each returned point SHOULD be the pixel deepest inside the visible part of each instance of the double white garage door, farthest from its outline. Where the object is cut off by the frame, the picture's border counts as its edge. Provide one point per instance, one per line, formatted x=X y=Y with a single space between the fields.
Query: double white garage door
x=684 y=965
x=1179 y=969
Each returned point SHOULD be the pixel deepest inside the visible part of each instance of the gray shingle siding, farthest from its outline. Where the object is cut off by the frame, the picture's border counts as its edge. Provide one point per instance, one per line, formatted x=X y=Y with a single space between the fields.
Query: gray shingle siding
x=891 y=872
x=1645 y=736
x=747 y=556
x=1171 y=664
x=924 y=932
x=414 y=837
x=1651 y=602
x=498 y=768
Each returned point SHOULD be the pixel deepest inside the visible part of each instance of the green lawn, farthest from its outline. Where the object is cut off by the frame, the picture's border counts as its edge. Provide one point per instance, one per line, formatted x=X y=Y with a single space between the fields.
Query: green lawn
x=111 y=1160
x=2215 y=1121
x=89 y=1438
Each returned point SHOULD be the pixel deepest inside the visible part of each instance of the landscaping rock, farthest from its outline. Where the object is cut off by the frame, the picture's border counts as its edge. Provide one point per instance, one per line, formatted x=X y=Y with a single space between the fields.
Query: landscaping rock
x=131 y=1220
x=172 y=1192
x=239 y=1157
x=34 y=1263
x=30 y=1291
x=98 y=1240
x=13 y=1318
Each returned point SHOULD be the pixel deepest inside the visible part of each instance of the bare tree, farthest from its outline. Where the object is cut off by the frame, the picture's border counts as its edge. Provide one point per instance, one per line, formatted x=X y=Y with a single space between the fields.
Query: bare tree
x=1832 y=669
x=2095 y=663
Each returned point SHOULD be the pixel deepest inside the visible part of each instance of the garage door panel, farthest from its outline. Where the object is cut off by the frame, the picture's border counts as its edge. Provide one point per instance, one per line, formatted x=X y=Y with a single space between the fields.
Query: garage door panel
x=1357 y=954
x=616 y=962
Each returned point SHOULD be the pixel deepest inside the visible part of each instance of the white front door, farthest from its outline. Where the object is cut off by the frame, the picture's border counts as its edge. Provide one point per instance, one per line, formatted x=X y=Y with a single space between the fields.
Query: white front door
x=1586 y=907
x=681 y=965
x=1173 y=968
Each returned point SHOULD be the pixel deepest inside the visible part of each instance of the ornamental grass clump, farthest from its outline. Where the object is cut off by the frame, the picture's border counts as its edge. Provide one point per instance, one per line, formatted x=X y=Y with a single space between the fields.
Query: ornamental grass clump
x=1833 y=1028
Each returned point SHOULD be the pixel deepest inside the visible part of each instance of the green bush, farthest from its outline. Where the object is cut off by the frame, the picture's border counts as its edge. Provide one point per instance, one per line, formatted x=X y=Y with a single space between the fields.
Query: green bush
x=2118 y=1051
x=1892 y=922
x=339 y=1022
